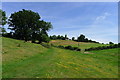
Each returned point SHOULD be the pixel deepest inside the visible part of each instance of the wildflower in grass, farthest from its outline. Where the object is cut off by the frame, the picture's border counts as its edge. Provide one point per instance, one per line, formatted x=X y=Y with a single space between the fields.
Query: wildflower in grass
x=37 y=77
x=76 y=68
x=65 y=66
x=62 y=65
x=70 y=62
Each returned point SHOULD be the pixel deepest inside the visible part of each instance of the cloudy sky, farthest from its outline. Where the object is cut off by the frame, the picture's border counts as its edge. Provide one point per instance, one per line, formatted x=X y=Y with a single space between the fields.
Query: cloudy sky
x=97 y=20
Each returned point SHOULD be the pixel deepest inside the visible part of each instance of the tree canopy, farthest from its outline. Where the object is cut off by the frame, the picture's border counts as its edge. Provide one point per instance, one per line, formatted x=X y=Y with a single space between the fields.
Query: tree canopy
x=26 y=25
x=60 y=37
x=82 y=38
x=2 y=17
x=2 y=31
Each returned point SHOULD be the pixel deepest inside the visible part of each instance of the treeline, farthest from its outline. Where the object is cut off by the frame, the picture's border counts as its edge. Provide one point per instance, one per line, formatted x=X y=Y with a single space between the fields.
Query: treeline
x=26 y=25
x=104 y=47
x=82 y=38
x=60 y=37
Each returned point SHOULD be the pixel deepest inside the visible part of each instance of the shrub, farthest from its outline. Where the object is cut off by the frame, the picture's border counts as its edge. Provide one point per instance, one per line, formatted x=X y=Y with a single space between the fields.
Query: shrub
x=86 y=49
x=103 y=47
x=60 y=46
x=67 y=47
x=115 y=46
x=118 y=44
x=75 y=48
x=78 y=50
x=52 y=44
x=72 y=48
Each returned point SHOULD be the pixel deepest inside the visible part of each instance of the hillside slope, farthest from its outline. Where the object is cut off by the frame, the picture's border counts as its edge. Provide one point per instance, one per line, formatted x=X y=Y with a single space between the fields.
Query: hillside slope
x=28 y=60
x=82 y=45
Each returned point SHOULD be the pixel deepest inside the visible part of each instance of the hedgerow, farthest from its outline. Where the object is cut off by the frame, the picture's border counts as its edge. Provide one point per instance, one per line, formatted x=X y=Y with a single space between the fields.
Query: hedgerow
x=103 y=47
x=67 y=47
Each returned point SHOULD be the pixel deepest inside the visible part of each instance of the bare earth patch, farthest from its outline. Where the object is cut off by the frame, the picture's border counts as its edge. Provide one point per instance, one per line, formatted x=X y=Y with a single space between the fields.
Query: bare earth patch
x=88 y=53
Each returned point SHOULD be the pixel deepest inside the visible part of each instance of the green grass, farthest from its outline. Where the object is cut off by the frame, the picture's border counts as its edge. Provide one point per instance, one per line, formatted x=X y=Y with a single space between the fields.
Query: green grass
x=82 y=45
x=34 y=61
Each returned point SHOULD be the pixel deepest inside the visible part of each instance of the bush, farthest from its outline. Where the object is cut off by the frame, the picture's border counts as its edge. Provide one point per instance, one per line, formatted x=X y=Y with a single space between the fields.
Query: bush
x=115 y=46
x=75 y=48
x=52 y=44
x=69 y=47
x=72 y=48
x=86 y=49
x=60 y=46
x=103 y=47
x=78 y=50
x=118 y=44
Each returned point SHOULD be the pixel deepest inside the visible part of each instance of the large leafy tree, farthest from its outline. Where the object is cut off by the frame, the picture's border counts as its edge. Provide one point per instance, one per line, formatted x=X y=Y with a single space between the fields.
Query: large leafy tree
x=27 y=25
x=23 y=23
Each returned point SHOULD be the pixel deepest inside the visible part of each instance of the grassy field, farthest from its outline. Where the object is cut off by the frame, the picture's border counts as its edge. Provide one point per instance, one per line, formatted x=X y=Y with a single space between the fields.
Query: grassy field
x=28 y=60
x=82 y=45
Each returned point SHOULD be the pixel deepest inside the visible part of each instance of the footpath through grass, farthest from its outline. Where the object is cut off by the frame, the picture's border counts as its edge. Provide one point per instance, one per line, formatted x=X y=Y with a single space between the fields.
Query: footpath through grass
x=34 y=61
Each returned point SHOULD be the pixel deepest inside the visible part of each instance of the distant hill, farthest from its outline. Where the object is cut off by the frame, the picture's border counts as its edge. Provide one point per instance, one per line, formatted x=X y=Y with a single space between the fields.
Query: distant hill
x=28 y=60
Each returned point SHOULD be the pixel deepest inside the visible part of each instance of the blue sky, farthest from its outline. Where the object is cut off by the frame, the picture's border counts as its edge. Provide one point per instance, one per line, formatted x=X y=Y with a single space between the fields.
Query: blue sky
x=97 y=20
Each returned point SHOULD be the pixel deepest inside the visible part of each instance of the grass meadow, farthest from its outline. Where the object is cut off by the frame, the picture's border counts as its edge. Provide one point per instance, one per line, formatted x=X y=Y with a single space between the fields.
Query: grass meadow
x=28 y=60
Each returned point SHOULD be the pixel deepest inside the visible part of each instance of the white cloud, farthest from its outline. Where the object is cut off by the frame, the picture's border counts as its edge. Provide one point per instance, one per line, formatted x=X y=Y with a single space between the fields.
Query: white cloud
x=107 y=14
x=100 y=18
x=103 y=17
